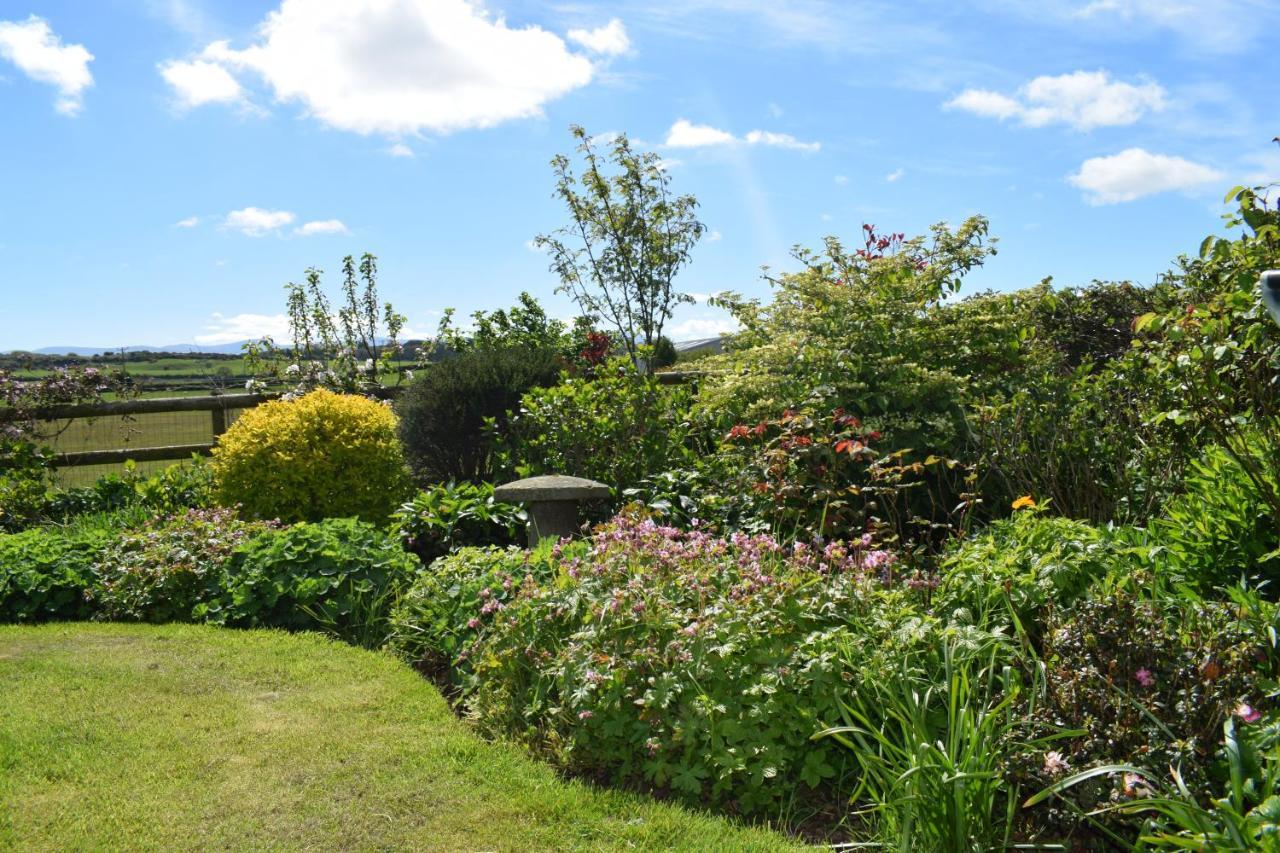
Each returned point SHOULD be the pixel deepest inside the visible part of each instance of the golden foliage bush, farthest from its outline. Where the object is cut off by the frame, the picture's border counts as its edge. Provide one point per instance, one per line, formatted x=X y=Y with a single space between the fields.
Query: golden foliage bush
x=323 y=455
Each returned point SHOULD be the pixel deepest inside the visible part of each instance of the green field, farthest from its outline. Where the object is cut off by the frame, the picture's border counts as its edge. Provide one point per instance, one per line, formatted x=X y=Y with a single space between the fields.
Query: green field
x=130 y=737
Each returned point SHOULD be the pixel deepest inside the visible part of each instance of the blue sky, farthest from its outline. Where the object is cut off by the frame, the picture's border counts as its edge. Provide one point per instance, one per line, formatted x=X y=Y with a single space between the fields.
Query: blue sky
x=167 y=165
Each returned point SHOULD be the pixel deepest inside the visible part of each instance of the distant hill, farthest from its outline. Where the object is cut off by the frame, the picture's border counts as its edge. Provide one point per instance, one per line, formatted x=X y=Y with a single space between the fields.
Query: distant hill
x=232 y=349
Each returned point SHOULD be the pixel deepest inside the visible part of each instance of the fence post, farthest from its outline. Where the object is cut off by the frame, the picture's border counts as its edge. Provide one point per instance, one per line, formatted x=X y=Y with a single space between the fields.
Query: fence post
x=218 y=416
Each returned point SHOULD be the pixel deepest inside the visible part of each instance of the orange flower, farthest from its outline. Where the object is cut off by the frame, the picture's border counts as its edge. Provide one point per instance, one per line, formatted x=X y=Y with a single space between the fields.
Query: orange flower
x=1024 y=502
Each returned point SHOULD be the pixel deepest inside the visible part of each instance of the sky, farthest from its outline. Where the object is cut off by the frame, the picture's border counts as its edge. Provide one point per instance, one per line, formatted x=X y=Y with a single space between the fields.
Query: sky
x=166 y=166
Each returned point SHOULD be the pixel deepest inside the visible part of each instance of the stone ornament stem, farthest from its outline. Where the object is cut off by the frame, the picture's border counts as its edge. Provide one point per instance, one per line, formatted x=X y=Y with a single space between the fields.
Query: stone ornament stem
x=552 y=503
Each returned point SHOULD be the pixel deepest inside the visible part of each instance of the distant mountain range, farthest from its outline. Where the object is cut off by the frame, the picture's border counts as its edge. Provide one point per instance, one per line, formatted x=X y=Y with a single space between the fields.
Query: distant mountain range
x=234 y=348
x=714 y=344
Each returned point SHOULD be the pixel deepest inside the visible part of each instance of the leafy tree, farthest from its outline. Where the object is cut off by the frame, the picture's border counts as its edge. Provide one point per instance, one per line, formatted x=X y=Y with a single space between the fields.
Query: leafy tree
x=628 y=237
x=524 y=325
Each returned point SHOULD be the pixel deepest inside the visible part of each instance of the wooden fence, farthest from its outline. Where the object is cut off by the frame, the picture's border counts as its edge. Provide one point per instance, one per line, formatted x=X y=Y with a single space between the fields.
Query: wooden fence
x=218 y=406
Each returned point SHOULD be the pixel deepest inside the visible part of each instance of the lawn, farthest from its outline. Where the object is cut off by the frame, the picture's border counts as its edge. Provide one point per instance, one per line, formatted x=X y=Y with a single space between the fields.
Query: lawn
x=188 y=737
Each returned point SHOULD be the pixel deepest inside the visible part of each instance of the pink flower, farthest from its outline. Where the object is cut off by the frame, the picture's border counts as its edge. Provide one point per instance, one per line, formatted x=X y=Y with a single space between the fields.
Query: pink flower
x=585 y=715
x=473 y=624
x=1055 y=764
x=1144 y=677
x=1247 y=713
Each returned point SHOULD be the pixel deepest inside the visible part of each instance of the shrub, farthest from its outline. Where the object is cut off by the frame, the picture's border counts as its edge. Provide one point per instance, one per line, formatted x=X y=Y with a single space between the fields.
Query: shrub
x=676 y=660
x=864 y=325
x=1086 y=442
x=1221 y=529
x=446 y=517
x=178 y=487
x=617 y=427
x=1151 y=682
x=1015 y=568
x=439 y=616
x=444 y=410
x=44 y=573
x=161 y=571
x=322 y=455
x=338 y=575
x=664 y=353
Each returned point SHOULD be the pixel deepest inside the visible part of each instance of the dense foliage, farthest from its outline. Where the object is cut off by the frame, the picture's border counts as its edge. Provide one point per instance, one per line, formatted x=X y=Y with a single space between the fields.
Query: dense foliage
x=163 y=570
x=614 y=426
x=444 y=410
x=339 y=575
x=451 y=515
x=675 y=659
x=319 y=456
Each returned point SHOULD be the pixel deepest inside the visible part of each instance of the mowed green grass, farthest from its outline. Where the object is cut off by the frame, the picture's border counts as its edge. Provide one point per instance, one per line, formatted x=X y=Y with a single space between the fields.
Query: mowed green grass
x=190 y=737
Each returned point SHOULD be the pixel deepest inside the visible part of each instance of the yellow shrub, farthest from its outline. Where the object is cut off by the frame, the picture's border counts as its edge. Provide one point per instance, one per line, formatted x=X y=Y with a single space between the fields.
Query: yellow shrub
x=323 y=455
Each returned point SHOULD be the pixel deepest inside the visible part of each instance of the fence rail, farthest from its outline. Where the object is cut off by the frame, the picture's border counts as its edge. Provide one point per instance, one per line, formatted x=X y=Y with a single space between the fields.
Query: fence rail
x=219 y=407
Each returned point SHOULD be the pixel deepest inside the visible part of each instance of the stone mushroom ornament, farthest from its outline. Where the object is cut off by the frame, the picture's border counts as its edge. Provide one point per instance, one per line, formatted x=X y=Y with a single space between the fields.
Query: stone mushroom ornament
x=552 y=503
x=1271 y=292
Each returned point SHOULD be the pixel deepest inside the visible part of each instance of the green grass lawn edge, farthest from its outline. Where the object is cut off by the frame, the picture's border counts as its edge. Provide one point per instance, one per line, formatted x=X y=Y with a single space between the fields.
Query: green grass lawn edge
x=185 y=736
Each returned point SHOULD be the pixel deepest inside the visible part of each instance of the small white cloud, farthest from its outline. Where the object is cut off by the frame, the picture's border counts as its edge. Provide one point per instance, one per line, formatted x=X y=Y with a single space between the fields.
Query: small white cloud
x=780 y=140
x=895 y=175
x=400 y=150
x=321 y=226
x=609 y=40
x=1083 y=99
x=984 y=103
x=1135 y=172
x=222 y=329
x=199 y=82
x=39 y=53
x=403 y=67
x=189 y=222
x=714 y=236
x=825 y=217
x=255 y=222
x=842 y=179
x=685 y=134
x=696 y=328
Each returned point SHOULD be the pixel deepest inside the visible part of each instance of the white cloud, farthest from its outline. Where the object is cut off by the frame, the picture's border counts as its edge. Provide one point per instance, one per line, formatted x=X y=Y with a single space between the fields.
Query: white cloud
x=609 y=40
x=242 y=327
x=189 y=222
x=1135 y=172
x=400 y=150
x=39 y=53
x=405 y=66
x=780 y=140
x=199 y=82
x=696 y=328
x=895 y=175
x=842 y=179
x=1226 y=26
x=321 y=226
x=686 y=134
x=714 y=236
x=1083 y=99
x=255 y=222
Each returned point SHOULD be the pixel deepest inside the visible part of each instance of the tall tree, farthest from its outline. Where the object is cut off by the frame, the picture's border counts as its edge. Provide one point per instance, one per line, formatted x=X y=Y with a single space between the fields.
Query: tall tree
x=628 y=237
